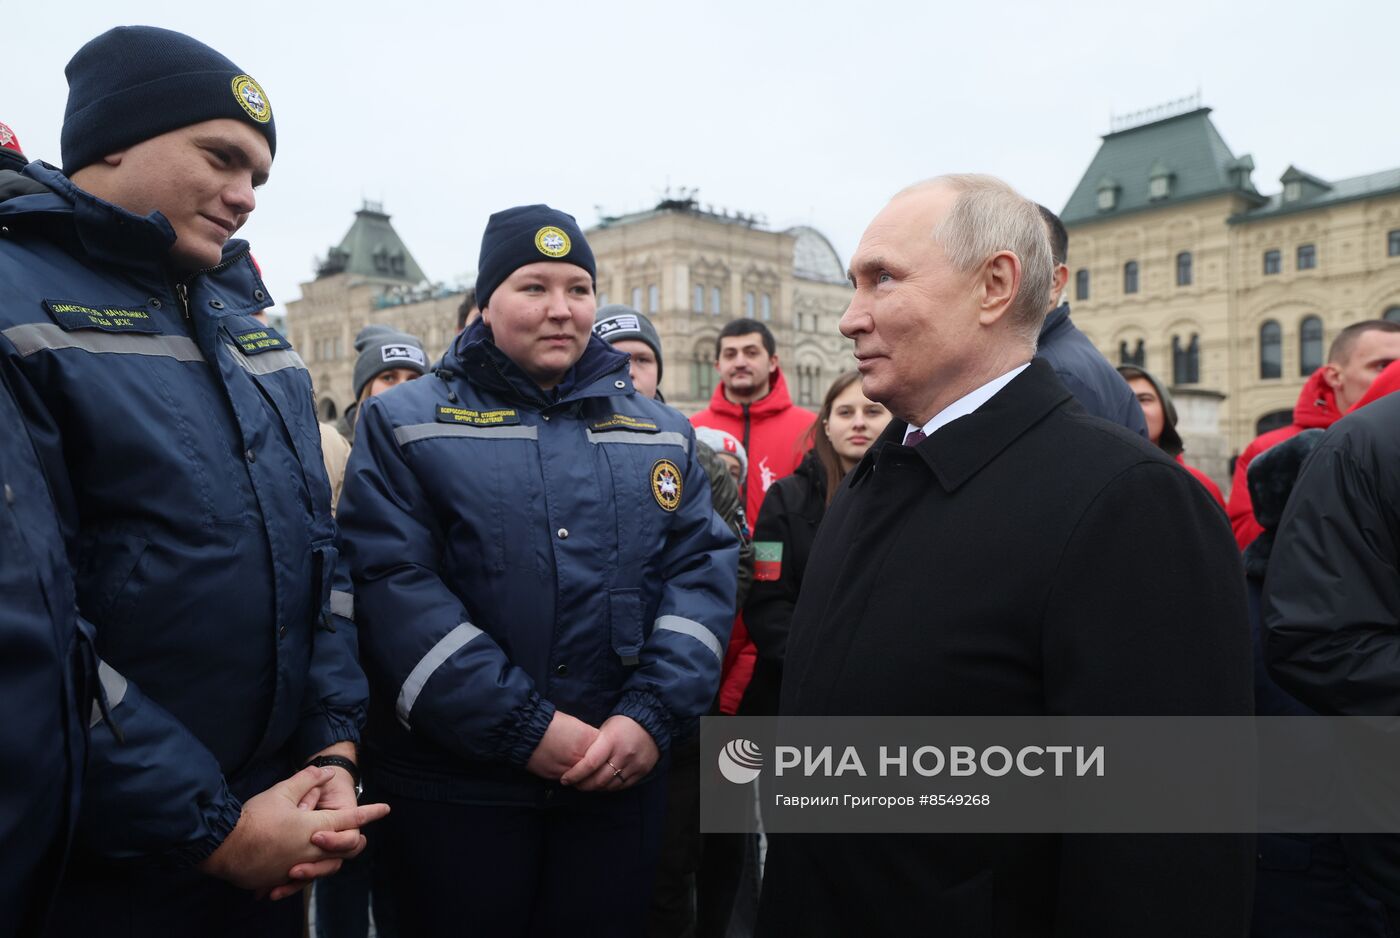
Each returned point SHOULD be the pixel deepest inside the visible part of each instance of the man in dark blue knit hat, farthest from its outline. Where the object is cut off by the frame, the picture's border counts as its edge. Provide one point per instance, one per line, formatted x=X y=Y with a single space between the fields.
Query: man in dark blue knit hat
x=545 y=593
x=178 y=438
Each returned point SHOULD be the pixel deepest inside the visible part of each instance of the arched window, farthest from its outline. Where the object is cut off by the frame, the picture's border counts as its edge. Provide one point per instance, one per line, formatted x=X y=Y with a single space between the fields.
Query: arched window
x=1186 y=360
x=1135 y=356
x=1081 y=284
x=809 y=385
x=1309 y=345
x=766 y=307
x=1130 y=277
x=1392 y=314
x=697 y=299
x=702 y=373
x=749 y=304
x=327 y=410
x=1271 y=350
x=637 y=298
x=653 y=299
x=1273 y=421
x=715 y=305
x=1183 y=269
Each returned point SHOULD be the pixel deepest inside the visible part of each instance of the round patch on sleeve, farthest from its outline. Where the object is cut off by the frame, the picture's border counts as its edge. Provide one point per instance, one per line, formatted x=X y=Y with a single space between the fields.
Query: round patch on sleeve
x=252 y=98
x=666 y=484
x=552 y=242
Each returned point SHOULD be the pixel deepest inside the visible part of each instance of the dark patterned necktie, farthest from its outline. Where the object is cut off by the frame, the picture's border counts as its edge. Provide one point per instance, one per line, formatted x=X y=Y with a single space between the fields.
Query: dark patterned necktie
x=914 y=438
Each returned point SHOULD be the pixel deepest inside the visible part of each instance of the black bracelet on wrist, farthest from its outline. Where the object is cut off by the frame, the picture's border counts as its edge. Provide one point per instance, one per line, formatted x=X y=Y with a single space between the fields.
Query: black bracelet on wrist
x=326 y=762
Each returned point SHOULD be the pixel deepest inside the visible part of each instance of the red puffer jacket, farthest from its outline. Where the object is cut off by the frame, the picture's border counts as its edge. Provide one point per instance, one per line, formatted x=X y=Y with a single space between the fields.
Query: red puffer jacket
x=1316 y=407
x=772 y=430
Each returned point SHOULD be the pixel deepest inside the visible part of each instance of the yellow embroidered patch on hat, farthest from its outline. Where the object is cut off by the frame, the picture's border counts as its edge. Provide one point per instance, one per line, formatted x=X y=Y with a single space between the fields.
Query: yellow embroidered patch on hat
x=666 y=484
x=253 y=99
x=552 y=242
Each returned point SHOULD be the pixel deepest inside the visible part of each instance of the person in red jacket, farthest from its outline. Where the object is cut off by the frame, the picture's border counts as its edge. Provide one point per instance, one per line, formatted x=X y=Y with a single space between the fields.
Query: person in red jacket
x=1160 y=414
x=1360 y=352
x=751 y=401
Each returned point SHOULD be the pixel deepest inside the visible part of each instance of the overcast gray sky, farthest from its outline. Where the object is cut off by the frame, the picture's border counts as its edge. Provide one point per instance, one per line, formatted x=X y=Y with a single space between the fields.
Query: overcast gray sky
x=808 y=113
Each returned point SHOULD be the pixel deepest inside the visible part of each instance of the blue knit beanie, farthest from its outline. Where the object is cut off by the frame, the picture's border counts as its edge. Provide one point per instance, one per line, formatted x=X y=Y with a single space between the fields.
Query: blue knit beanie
x=133 y=83
x=524 y=235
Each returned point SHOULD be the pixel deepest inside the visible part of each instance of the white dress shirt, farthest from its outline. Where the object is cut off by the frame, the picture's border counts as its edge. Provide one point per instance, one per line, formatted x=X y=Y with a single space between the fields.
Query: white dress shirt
x=969 y=402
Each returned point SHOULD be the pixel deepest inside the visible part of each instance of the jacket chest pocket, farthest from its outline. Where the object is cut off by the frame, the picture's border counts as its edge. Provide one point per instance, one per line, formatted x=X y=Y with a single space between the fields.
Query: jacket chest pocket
x=648 y=486
x=284 y=389
x=484 y=486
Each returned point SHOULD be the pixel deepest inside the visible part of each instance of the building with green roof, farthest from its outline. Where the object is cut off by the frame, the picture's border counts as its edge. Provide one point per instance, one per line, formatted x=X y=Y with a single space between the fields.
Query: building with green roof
x=1180 y=264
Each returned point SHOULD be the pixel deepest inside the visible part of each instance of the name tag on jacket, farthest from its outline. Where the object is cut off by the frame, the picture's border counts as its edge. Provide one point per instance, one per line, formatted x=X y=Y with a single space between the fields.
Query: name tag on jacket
x=71 y=316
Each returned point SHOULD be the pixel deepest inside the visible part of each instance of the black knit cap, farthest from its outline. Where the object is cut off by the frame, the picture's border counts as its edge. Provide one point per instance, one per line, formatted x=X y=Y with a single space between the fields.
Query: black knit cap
x=133 y=83
x=526 y=234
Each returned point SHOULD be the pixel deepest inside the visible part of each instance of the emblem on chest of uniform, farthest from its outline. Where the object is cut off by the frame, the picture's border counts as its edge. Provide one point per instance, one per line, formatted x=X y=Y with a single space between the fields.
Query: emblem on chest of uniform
x=666 y=484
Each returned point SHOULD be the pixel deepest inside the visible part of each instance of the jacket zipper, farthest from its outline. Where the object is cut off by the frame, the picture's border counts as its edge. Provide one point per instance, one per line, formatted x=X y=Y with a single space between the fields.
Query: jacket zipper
x=182 y=289
x=749 y=463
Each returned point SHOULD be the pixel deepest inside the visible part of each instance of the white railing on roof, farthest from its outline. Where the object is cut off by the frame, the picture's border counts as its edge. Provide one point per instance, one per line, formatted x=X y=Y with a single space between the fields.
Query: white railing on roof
x=1120 y=122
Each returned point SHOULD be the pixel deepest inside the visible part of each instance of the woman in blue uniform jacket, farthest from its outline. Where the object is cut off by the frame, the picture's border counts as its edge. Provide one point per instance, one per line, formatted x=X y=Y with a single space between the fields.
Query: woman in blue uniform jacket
x=544 y=593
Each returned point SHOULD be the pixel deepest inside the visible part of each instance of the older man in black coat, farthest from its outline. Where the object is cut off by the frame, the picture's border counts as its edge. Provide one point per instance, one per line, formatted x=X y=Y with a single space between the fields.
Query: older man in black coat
x=1000 y=552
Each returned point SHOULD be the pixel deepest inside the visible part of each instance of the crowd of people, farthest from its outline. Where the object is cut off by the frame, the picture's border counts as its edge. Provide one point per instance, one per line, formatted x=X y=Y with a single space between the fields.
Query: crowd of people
x=447 y=661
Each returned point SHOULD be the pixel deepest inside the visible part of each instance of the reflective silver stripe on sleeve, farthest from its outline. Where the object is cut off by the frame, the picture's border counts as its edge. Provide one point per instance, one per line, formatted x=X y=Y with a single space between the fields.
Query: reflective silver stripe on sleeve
x=427 y=431
x=113 y=688
x=36 y=336
x=444 y=649
x=343 y=604
x=266 y=363
x=694 y=629
x=646 y=439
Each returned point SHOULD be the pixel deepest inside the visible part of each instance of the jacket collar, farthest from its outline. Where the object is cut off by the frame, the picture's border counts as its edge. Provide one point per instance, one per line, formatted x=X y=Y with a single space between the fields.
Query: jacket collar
x=600 y=372
x=958 y=451
x=1054 y=320
x=1317 y=403
x=774 y=402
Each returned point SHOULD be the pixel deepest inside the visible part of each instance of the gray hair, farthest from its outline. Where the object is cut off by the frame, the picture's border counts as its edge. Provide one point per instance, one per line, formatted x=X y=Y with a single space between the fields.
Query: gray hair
x=988 y=217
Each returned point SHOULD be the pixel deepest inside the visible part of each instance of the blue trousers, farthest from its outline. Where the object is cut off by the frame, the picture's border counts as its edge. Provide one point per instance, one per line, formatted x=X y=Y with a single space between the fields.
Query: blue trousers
x=581 y=865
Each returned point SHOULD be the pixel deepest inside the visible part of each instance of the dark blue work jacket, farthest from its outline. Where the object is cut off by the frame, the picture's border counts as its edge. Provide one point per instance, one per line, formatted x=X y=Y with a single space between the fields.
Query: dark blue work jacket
x=47 y=673
x=517 y=551
x=178 y=437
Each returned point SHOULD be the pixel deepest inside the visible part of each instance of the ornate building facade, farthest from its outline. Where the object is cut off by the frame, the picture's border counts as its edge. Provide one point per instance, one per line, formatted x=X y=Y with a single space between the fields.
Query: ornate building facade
x=1179 y=264
x=692 y=270
x=370 y=277
x=689 y=269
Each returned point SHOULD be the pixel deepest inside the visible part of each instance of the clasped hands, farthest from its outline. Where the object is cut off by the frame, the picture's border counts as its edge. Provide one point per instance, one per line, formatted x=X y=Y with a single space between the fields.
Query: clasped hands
x=612 y=757
x=299 y=830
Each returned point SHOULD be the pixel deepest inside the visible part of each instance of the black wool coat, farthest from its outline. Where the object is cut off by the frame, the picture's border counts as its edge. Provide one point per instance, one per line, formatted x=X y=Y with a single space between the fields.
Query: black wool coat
x=1026 y=559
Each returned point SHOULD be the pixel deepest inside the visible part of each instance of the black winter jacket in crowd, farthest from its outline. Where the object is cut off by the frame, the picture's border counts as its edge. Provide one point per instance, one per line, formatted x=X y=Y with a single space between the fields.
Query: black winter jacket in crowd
x=787 y=524
x=1332 y=595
